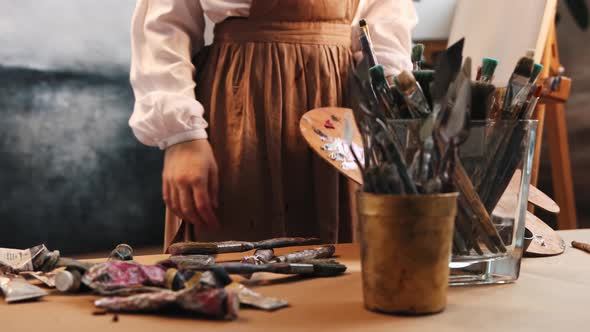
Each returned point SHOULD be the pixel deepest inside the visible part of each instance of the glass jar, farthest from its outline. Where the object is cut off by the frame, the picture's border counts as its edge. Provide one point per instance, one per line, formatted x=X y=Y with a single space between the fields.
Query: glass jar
x=496 y=156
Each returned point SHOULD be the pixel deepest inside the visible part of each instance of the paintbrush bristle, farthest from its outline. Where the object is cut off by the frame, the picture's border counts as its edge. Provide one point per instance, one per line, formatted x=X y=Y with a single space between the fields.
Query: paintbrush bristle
x=362 y=23
x=537 y=68
x=524 y=67
x=488 y=67
x=417 y=53
x=405 y=81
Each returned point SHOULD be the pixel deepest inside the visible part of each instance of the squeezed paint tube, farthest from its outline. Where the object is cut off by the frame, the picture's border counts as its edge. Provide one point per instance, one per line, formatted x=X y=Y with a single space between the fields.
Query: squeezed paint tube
x=48 y=278
x=16 y=260
x=261 y=256
x=211 y=303
x=253 y=299
x=17 y=289
x=115 y=275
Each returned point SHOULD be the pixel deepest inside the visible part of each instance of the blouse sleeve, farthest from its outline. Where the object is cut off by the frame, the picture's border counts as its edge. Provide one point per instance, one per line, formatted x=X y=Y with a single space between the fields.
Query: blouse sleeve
x=390 y=23
x=165 y=35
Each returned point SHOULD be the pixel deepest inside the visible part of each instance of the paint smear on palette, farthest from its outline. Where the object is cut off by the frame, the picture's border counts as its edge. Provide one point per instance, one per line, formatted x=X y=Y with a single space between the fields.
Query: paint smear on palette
x=328 y=124
x=340 y=151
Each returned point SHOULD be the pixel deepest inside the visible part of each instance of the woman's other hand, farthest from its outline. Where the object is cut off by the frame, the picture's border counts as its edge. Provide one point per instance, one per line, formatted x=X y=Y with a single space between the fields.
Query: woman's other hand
x=190 y=183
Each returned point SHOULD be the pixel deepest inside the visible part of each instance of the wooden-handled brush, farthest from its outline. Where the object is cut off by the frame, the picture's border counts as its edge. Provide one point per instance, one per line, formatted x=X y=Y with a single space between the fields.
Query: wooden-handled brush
x=306 y=255
x=313 y=268
x=210 y=248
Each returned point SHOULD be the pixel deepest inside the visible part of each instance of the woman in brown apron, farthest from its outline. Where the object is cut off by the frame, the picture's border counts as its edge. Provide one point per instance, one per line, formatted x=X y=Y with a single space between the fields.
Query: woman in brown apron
x=270 y=62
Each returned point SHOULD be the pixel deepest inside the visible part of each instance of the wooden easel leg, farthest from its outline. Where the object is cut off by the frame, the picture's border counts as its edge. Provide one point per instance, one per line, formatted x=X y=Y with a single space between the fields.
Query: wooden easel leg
x=561 y=169
x=540 y=116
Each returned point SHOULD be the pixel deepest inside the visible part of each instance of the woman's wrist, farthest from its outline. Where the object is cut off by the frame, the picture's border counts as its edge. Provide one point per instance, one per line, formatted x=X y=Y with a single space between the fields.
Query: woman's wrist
x=192 y=135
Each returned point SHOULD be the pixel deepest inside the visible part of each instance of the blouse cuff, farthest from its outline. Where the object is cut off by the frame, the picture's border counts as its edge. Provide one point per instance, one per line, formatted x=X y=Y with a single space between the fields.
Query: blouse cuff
x=182 y=137
x=164 y=119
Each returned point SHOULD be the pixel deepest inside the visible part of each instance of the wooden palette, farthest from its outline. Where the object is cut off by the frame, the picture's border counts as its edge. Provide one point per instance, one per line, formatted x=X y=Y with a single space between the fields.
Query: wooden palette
x=540 y=199
x=546 y=242
x=317 y=119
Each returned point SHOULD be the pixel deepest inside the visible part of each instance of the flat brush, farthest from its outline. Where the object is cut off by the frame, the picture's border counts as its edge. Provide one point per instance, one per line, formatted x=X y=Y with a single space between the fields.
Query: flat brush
x=306 y=255
x=210 y=248
x=483 y=91
x=367 y=44
x=425 y=77
x=418 y=56
x=412 y=94
x=482 y=100
x=517 y=91
x=488 y=68
x=314 y=268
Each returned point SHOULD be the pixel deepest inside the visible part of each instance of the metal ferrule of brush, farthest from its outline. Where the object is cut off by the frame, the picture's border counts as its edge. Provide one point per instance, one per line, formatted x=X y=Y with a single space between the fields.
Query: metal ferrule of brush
x=521 y=89
x=233 y=247
x=298 y=268
x=413 y=95
x=417 y=102
x=379 y=81
x=518 y=89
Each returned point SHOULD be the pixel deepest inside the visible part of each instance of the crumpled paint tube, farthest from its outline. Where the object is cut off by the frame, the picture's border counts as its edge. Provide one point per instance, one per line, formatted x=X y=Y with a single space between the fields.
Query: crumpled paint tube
x=48 y=278
x=211 y=303
x=188 y=262
x=17 y=260
x=115 y=275
x=256 y=300
x=17 y=289
x=261 y=256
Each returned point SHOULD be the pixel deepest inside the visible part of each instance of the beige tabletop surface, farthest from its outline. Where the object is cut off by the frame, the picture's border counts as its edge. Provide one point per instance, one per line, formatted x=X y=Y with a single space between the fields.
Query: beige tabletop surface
x=552 y=294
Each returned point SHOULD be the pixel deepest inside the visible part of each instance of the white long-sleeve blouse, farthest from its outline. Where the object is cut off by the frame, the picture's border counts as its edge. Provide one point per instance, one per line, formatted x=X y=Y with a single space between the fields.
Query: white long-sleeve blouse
x=167 y=33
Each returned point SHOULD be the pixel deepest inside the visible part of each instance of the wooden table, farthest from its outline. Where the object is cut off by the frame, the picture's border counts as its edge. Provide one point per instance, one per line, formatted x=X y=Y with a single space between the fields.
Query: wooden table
x=552 y=294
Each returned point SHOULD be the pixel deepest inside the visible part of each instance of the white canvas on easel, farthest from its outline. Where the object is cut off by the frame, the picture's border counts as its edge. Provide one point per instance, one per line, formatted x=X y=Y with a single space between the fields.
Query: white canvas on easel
x=435 y=18
x=502 y=29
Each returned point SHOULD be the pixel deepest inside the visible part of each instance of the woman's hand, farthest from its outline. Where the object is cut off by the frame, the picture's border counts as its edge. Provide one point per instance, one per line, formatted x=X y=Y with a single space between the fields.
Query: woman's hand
x=190 y=183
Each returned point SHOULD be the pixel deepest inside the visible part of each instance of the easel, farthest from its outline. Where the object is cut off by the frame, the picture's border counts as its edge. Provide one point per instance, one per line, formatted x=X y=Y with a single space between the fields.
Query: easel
x=552 y=107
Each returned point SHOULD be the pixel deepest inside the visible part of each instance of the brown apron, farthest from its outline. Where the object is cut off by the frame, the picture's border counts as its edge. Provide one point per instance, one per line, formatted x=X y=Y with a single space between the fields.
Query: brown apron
x=256 y=80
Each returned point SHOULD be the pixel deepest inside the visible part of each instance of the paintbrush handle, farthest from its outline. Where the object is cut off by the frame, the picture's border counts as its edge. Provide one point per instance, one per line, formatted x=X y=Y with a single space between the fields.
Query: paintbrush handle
x=285 y=242
x=582 y=246
x=313 y=268
x=241 y=268
x=304 y=255
x=249 y=269
x=466 y=188
x=209 y=248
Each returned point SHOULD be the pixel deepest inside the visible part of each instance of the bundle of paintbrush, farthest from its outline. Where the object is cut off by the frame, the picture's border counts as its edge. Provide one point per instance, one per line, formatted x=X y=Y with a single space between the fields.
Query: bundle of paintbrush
x=446 y=100
x=376 y=103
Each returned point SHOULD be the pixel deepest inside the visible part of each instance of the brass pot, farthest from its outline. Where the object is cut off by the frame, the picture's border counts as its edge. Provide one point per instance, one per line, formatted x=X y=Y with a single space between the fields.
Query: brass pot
x=406 y=243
